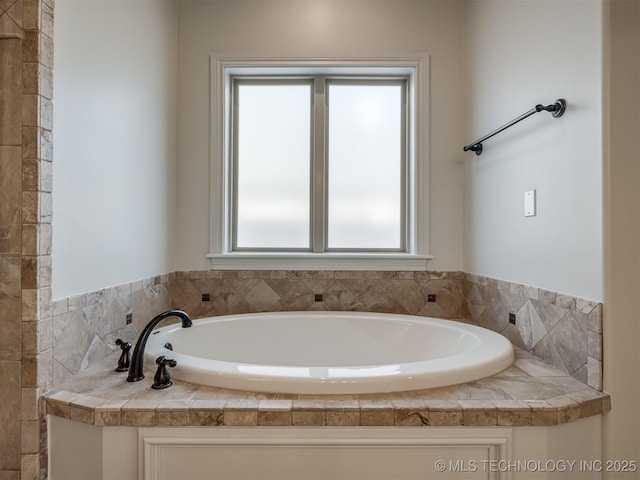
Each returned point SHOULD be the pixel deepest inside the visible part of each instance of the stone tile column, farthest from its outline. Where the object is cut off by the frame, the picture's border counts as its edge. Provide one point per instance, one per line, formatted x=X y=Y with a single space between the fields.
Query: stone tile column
x=10 y=252
x=26 y=122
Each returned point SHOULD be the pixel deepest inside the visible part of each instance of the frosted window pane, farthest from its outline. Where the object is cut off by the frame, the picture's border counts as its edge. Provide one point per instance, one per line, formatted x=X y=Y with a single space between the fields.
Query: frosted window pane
x=274 y=129
x=365 y=166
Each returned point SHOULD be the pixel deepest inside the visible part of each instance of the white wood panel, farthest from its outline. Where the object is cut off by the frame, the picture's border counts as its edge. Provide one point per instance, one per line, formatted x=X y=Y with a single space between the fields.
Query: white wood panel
x=331 y=454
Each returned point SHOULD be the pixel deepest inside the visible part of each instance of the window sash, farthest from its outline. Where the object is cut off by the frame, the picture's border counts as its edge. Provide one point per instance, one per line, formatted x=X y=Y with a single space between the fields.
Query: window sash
x=234 y=173
x=402 y=82
x=318 y=233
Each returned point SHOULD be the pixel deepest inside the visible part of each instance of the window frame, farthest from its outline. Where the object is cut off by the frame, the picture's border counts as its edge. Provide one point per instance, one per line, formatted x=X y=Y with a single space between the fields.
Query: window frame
x=413 y=256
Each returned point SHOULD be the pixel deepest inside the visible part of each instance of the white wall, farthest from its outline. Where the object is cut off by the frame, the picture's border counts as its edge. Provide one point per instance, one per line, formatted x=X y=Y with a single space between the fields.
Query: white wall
x=622 y=231
x=521 y=54
x=114 y=128
x=324 y=28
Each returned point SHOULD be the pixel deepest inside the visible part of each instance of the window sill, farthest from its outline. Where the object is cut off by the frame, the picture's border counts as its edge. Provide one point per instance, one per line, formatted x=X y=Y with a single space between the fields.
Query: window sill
x=318 y=261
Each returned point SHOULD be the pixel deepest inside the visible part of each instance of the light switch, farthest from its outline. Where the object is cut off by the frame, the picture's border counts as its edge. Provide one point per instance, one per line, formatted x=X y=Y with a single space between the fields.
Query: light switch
x=530 y=203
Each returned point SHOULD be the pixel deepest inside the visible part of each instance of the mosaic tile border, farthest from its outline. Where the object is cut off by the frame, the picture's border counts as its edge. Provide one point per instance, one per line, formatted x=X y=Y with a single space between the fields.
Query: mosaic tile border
x=564 y=331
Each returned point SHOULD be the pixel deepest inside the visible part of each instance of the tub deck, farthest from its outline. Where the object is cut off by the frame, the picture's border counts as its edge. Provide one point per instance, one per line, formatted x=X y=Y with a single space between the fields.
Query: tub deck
x=530 y=392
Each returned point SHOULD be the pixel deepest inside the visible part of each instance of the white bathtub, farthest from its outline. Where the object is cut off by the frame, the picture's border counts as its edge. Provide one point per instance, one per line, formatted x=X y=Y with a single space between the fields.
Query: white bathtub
x=329 y=352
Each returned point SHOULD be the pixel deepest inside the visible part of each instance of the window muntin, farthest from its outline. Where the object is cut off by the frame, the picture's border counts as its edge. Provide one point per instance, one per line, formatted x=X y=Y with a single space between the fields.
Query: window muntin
x=355 y=199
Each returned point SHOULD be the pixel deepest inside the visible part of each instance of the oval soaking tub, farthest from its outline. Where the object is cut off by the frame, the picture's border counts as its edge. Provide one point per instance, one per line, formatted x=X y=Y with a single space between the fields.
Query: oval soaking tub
x=330 y=352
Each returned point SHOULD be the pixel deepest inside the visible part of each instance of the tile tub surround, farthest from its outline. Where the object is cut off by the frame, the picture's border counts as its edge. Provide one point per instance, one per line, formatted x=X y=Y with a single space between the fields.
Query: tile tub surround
x=85 y=326
x=563 y=330
x=529 y=393
x=547 y=323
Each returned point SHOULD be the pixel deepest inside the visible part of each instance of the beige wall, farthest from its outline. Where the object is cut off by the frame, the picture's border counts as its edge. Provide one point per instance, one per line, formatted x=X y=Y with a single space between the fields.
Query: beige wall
x=622 y=231
x=321 y=29
x=520 y=54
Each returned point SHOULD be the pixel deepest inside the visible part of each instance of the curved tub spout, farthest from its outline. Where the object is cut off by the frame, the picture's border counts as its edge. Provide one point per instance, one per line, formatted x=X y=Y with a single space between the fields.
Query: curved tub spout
x=136 y=368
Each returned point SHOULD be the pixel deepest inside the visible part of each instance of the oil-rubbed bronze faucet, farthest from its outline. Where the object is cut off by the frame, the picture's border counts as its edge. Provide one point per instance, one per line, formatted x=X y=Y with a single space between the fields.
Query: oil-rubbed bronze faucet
x=125 y=357
x=136 y=368
x=162 y=379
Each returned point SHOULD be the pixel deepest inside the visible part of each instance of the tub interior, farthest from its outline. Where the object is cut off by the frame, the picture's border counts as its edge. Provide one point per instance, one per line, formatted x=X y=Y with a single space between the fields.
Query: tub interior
x=308 y=341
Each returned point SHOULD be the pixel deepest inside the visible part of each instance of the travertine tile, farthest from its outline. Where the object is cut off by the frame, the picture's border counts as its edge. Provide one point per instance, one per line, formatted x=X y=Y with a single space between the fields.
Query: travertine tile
x=9 y=475
x=530 y=292
x=589 y=405
x=108 y=413
x=73 y=342
x=536 y=367
x=207 y=412
x=31 y=15
x=30 y=47
x=139 y=413
x=10 y=197
x=11 y=81
x=343 y=413
x=172 y=418
x=594 y=375
x=308 y=413
x=10 y=306
x=548 y=313
x=570 y=340
x=29 y=338
x=46 y=58
x=444 y=413
x=410 y=413
x=261 y=297
x=30 y=408
x=30 y=467
x=30 y=371
x=594 y=345
x=30 y=436
x=513 y=412
x=547 y=296
x=298 y=297
x=531 y=327
x=566 y=301
x=542 y=414
x=568 y=409
x=47 y=20
x=29 y=272
x=547 y=351
x=407 y=409
x=242 y=412
x=594 y=319
x=81 y=414
x=379 y=413
x=478 y=412
x=14 y=11
x=275 y=412
x=10 y=398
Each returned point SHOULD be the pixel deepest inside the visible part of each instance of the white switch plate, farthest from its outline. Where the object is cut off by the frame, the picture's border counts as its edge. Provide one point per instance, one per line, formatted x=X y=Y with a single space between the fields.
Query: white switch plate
x=530 y=203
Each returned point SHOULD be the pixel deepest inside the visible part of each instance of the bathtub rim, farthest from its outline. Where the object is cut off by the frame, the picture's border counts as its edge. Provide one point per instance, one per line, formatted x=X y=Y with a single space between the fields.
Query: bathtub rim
x=447 y=371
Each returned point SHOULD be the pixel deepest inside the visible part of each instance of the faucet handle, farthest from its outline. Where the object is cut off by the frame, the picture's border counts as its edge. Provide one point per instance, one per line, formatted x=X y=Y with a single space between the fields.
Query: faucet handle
x=125 y=357
x=162 y=379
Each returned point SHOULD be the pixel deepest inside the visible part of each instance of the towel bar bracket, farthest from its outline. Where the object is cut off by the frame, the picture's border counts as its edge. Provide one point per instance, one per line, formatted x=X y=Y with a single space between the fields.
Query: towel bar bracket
x=556 y=109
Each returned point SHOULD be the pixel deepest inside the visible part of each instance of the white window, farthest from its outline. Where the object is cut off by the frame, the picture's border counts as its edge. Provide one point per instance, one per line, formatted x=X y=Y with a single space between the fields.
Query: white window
x=318 y=164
